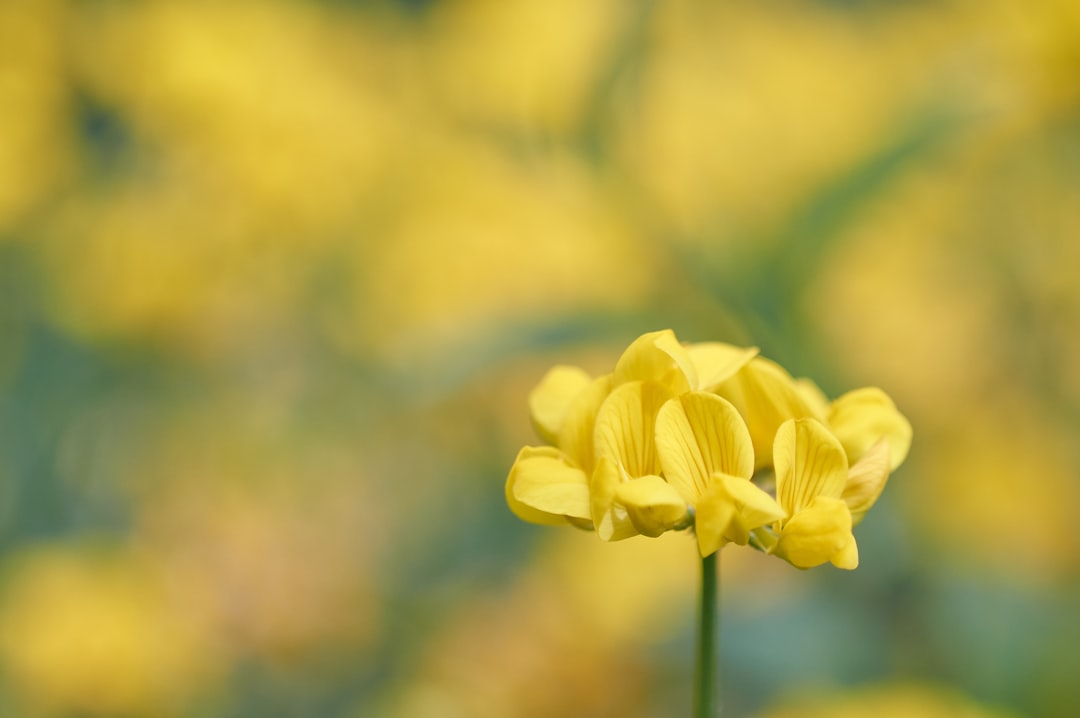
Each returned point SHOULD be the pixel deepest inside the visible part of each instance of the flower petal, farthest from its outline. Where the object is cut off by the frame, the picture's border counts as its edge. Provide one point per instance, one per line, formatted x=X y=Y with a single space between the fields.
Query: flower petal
x=697 y=435
x=813 y=396
x=625 y=427
x=550 y=400
x=819 y=533
x=753 y=506
x=731 y=508
x=544 y=488
x=652 y=504
x=847 y=557
x=712 y=518
x=766 y=396
x=579 y=423
x=862 y=417
x=809 y=463
x=866 y=480
x=611 y=520
x=715 y=362
x=657 y=356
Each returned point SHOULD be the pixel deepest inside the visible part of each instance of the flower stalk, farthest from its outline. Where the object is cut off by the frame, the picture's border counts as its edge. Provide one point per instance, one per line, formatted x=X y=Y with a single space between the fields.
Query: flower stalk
x=707 y=674
x=673 y=438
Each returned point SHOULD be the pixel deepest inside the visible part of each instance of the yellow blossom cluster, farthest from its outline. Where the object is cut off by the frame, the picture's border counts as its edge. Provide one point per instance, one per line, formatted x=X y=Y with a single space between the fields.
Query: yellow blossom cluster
x=683 y=436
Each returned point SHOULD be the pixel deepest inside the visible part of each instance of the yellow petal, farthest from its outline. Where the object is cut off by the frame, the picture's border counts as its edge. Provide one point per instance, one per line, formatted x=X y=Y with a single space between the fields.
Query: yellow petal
x=579 y=423
x=809 y=463
x=625 y=427
x=712 y=518
x=697 y=435
x=657 y=356
x=551 y=399
x=863 y=417
x=847 y=557
x=652 y=504
x=730 y=509
x=715 y=362
x=813 y=396
x=753 y=507
x=818 y=534
x=766 y=396
x=543 y=488
x=612 y=521
x=866 y=480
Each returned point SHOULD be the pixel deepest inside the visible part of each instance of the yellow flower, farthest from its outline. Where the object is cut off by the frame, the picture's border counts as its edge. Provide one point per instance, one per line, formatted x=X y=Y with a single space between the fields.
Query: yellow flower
x=628 y=495
x=659 y=356
x=876 y=438
x=864 y=417
x=548 y=485
x=99 y=632
x=672 y=438
x=866 y=421
x=766 y=396
x=811 y=474
x=827 y=478
x=707 y=455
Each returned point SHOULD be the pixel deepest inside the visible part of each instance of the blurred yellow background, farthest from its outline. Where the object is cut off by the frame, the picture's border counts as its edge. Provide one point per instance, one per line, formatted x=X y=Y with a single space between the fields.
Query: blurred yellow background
x=276 y=278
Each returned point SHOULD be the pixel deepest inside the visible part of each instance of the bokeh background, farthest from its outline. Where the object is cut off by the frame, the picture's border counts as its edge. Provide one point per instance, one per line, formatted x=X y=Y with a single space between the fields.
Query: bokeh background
x=276 y=278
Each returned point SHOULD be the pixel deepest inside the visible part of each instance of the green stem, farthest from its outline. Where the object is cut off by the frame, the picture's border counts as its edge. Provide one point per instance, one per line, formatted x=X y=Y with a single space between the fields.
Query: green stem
x=707 y=683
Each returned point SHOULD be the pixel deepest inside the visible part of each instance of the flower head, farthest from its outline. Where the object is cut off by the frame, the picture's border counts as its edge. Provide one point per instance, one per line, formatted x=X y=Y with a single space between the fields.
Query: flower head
x=811 y=472
x=708 y=457
x=684 y=436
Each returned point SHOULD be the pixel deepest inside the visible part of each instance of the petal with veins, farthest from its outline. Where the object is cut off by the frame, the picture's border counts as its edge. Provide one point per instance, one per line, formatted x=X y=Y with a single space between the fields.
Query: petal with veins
x=611 y=521
x=657 y=356
x=863 y=417
x=866 y=480
x=578 y=426
x=810 y=462
x=697 y=435
x=543 y=487
x=766 y=396
x=552 y=397
x=625 y=427
x=715 y=362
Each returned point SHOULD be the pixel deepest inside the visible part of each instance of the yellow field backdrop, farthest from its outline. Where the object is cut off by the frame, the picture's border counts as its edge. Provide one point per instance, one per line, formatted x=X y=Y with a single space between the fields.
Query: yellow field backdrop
x=276 y=278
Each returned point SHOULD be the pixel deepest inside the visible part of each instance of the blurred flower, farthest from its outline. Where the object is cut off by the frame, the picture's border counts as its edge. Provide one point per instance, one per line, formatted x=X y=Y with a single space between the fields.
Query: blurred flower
x=37 y=149
x=101 y=633
x=247 y=561
x=555 y=670
x=531 y=66
x=477 y=237
x=710 y=135
x=273 y=538
x=889 y=701
x=146 y=263
x=290 y=113
x=977 y=469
